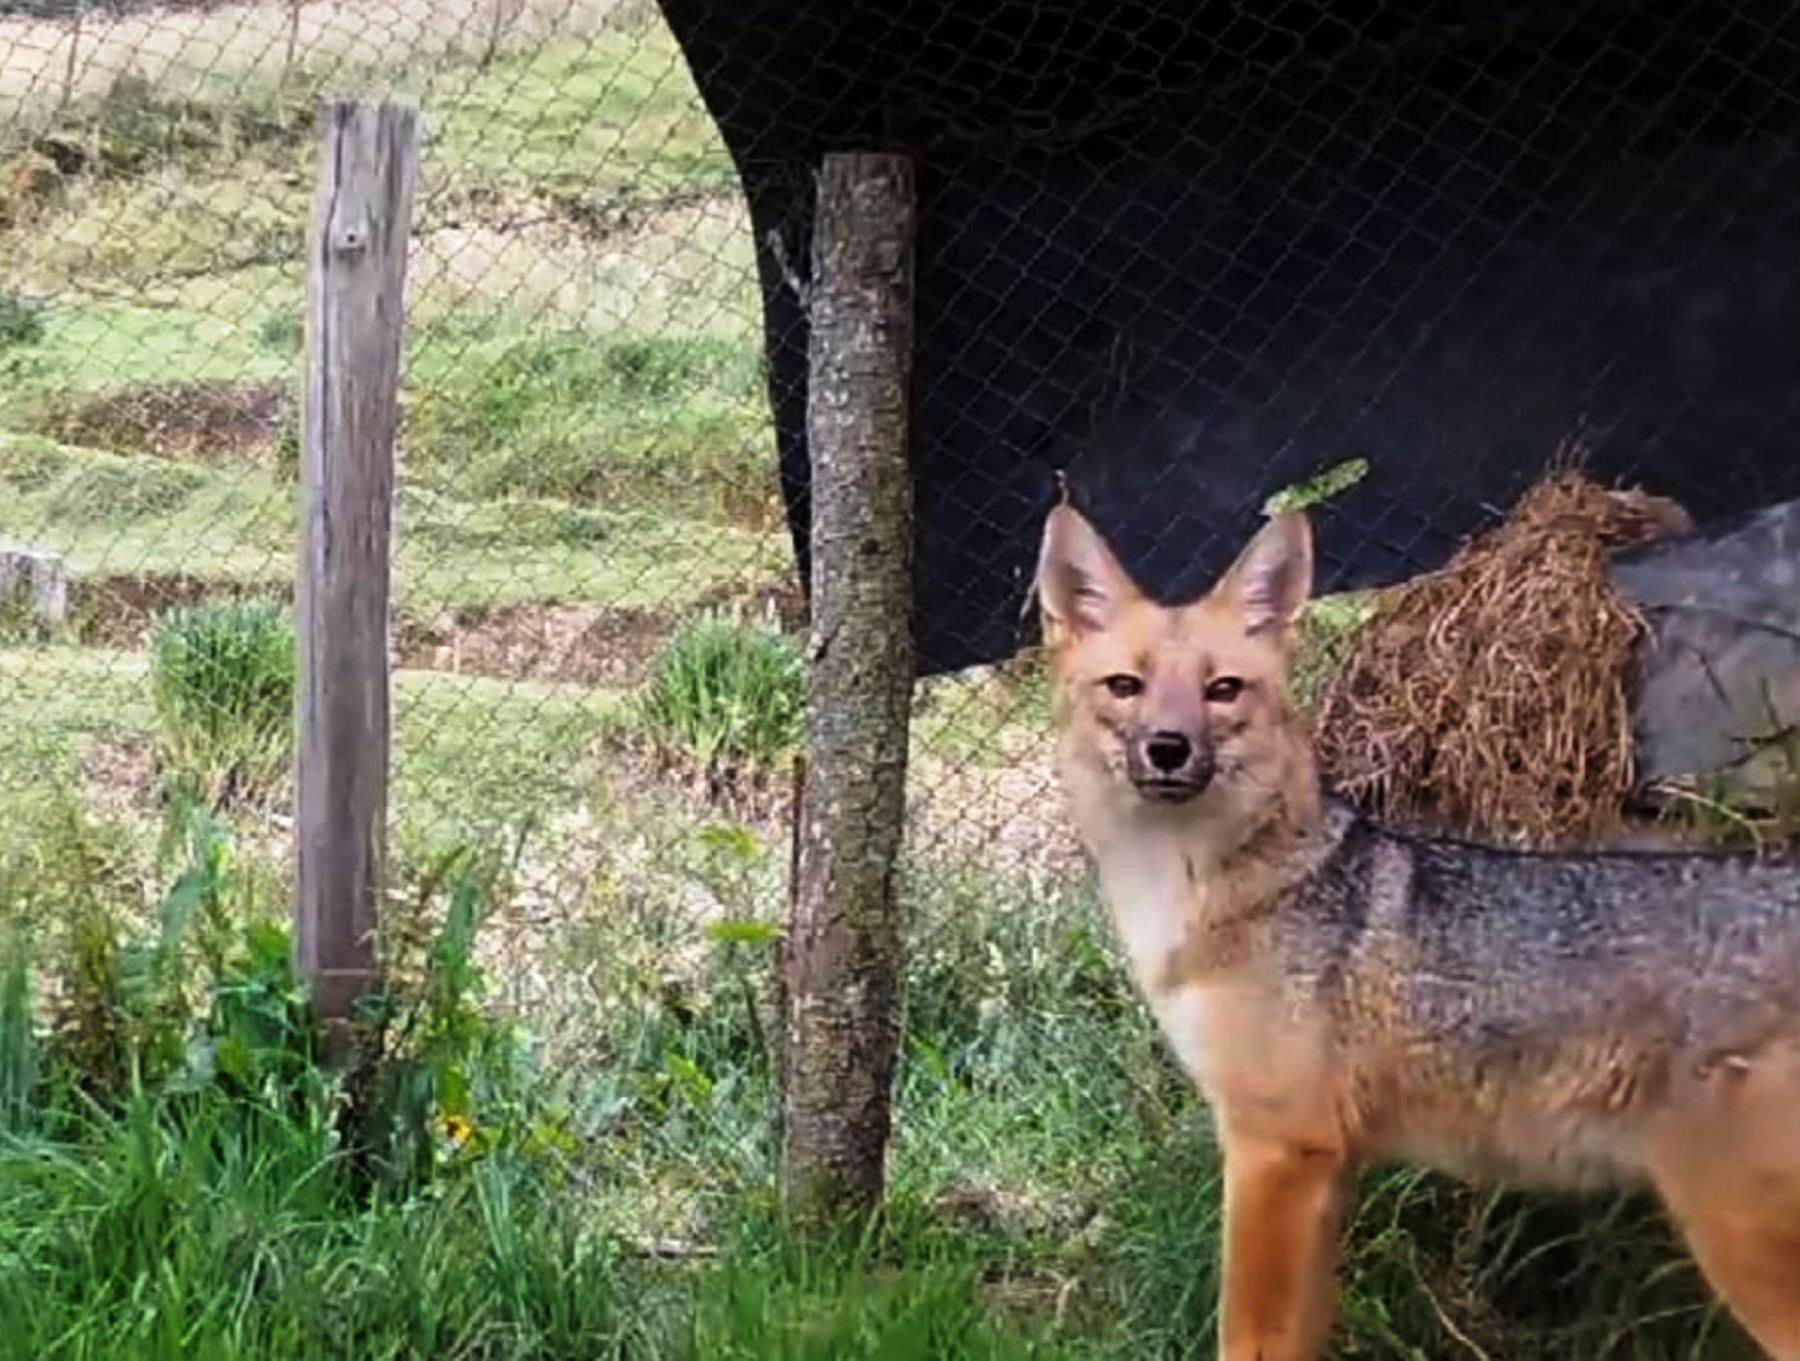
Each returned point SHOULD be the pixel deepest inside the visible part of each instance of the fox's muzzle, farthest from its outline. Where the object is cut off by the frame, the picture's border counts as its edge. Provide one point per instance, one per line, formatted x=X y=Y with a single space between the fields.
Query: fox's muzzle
x=1167 y=766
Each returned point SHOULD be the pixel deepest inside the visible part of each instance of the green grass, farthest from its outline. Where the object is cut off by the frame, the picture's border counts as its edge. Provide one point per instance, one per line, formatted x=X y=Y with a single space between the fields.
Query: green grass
x=647 y=385
x=222 y=681
x=176 y=185
x=89 y=348
x=727 y=695
x=1055 y=1189
x=116 y=514
x=245 y=1250
x=474 y=758
x=681 y=423
x=165 y=187
x=1328 y=628
x=585 y=410
x=990 y=717
x=517 y=551
x=480 y=760
x=612 y=116
x=495 y=408
x=21 y=322
x=53 y=698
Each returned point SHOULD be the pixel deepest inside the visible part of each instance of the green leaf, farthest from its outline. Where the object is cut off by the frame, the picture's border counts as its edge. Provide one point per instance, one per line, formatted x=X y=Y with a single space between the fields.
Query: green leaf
x=734 y=840
x=690 y=1077
x=1322 y=486
x=742 y=932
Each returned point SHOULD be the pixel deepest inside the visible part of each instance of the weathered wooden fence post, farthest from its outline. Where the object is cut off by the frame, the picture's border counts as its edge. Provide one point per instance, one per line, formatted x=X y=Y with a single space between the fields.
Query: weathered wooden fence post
x=34 y=582
x=291 y=49
x=72 y=67
x=844 y=948
x=502 y=13
x=354 y=319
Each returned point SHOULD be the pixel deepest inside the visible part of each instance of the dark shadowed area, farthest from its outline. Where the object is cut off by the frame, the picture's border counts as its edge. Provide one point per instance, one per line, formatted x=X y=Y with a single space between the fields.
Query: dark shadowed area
x=1192 y=253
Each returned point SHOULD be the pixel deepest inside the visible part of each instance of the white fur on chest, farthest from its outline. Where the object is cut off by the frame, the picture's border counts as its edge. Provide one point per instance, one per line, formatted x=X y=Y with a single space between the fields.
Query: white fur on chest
x=1147 y=887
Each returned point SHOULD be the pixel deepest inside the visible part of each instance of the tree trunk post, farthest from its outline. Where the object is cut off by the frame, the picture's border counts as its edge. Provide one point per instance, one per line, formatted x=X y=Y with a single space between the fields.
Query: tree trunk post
x=844 y=946
x=354 y=320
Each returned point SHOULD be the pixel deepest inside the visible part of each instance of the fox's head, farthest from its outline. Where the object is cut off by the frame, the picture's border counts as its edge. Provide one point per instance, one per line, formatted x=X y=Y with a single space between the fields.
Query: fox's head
x=1177 y=705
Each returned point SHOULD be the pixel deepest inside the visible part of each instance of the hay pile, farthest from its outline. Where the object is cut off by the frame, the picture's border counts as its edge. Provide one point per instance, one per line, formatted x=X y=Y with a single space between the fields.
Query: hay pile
x=1490 y=698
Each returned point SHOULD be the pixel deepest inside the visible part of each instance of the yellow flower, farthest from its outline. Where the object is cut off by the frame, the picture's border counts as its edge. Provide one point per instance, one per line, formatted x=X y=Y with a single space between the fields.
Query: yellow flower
x=459 y=1129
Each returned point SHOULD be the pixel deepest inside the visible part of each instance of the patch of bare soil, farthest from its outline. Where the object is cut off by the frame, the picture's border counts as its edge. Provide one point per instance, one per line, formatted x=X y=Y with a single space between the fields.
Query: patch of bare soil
x=780 y=602
x=184 y=49
x=1010 y=818
x=120 y=611
x=201 y=422
x=545 y=641
x=603 y=219
x=577 y=259
x=584 y=644
x=575 y=643
x=118 y=773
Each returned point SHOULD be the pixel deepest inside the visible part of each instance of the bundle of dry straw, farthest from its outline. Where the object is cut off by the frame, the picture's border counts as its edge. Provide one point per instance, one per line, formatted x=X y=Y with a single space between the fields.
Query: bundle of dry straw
x=1490 y=698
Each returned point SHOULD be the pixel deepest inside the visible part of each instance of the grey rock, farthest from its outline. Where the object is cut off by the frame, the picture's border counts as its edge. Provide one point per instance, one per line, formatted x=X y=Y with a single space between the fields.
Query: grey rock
x=1717 y=695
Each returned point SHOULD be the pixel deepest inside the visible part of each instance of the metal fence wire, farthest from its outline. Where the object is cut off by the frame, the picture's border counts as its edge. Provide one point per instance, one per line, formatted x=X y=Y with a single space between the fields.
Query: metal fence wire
x=1194 y=253
x=1188 y=254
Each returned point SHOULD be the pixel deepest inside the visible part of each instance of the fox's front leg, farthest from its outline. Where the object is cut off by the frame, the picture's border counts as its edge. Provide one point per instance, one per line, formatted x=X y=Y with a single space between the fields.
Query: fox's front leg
x=1283 y=1208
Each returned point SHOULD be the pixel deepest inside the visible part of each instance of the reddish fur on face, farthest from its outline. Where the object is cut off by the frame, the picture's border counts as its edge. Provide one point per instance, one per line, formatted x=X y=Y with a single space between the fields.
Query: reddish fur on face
x=1100 y=625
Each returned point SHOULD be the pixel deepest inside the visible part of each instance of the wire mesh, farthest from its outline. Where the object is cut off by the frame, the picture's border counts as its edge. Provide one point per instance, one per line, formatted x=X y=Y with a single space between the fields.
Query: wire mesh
x=1188 y=254
x=1191 y=254
x=585 y=454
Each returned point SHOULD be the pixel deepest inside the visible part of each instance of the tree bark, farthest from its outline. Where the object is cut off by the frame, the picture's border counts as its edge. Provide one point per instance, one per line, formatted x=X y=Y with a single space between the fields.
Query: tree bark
x=844 y=947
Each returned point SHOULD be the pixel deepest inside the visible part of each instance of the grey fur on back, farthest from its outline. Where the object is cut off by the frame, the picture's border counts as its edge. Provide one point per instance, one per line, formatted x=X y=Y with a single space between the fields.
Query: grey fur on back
x=1602 y=977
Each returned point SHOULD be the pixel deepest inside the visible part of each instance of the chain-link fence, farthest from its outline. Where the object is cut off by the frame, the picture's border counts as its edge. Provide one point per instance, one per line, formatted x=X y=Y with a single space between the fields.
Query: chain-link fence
x=1188 y=254
x=597 y=611
x=586 y=459
x=1194 y=253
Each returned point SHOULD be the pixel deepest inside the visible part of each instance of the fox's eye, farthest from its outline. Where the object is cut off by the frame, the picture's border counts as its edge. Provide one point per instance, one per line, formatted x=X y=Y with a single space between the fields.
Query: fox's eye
x=1123 y=686
x=1223 y=689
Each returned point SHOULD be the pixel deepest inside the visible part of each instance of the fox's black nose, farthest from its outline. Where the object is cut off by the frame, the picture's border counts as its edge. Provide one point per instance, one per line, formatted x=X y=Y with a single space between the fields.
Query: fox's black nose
x=1168 y=752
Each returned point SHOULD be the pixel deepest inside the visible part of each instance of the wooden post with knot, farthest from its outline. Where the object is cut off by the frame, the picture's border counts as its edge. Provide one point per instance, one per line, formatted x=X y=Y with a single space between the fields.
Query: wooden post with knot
x=368 y=160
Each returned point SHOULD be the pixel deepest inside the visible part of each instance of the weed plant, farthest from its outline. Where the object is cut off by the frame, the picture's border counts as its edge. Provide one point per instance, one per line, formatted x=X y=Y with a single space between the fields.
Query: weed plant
x=222 y=679
x=726 y=696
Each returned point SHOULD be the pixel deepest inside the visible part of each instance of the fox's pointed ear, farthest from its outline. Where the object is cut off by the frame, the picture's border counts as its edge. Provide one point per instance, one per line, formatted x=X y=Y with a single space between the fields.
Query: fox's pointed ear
x=1080 y=584
x=1272 y=578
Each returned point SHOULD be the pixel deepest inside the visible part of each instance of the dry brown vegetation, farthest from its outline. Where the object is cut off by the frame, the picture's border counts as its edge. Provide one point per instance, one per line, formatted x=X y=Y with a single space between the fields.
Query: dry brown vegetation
x=1490 y=697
